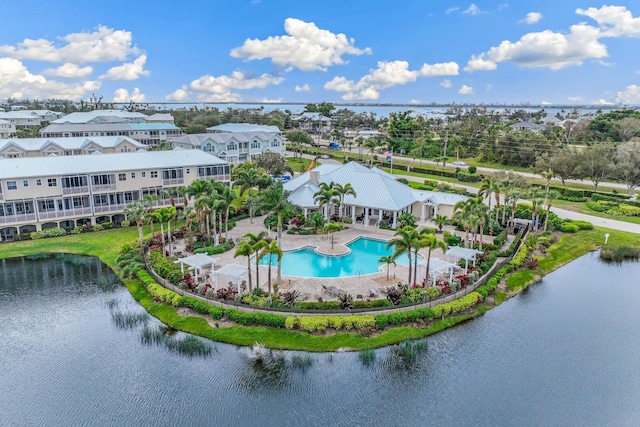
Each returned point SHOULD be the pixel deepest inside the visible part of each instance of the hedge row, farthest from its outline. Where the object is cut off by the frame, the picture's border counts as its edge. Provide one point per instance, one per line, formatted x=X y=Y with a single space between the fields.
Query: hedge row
x=321 y=323
x=252 y=319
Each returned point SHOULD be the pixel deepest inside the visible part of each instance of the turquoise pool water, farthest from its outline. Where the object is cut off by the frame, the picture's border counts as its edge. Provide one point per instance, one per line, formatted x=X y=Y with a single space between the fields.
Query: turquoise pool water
x=363 y=259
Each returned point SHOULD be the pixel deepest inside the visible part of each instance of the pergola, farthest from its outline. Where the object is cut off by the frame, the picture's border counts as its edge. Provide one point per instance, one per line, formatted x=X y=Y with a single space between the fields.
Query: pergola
x=196 y=262
x=437 y=266
x=467 y=254
x=233 y=271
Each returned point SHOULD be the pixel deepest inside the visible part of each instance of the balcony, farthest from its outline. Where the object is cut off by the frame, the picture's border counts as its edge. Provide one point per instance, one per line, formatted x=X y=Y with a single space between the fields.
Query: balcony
x=75 y=190
x=11 y=219
x=65 y=213
x=103 y=187
x=174 y=181
x=110 y=208
x=1 y=196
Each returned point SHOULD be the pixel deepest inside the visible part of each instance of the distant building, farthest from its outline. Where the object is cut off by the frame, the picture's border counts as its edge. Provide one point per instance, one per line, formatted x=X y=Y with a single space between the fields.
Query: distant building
x=351 y=136
x=15 y=148
x=29 y=118
x=102 y=116
x=527 y=127
x=69 y=191
x=7 y=129
x=234 y=147
x=146 y=133
x=313 y=122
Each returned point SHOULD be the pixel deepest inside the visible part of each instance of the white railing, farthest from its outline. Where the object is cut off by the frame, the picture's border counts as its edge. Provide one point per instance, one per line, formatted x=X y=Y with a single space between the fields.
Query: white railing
x=103 y=187
x=75 y=190
x=17 y=218
x=175 y=181
x=109 y=208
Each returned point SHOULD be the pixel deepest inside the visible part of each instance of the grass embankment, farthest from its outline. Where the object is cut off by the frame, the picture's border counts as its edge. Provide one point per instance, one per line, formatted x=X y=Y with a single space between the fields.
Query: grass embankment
x=568 y=248
x=106 y=245
x=582 y=208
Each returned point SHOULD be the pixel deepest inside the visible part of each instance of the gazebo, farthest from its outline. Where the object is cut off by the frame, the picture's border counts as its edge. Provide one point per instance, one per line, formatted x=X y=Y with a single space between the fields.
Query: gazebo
x=233 y=271
x=467 y=254
x=437 y=266
x=196 y=262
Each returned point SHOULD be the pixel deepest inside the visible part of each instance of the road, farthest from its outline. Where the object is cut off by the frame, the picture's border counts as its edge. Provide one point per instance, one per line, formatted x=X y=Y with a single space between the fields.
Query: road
x=562 y=213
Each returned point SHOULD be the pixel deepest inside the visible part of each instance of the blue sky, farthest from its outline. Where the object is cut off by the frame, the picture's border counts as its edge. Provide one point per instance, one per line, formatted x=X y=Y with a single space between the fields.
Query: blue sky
x=403 y=51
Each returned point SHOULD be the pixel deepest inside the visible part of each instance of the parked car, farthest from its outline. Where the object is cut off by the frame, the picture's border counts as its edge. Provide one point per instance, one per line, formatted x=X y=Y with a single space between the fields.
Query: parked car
x=460 y=163
x=335 y=146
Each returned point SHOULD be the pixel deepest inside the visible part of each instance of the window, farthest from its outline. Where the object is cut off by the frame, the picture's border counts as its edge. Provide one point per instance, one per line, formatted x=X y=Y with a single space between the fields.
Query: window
x=133 y=175
x=25 y=183
x=38 y=182
x=154 y=174
x=144 y=174
x=232 y=146
x=122 y=177
x=52 y=182
x=12 y=185
x=255 y=144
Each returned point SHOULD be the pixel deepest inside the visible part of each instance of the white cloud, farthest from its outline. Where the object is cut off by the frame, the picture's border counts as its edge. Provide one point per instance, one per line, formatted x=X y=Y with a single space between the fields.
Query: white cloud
x=465 y=90
x=544 y=49
x=452 y=9
x=220 y=89
x=267 y=100
x=177 y=95
x=103 y=45
x=488 y=87
x=614 y=21
x=415 y=101
x=18 y=82
x=533 y=18
x=602 y=102
x=304 y=88
x=446 y=83
x=128 y=71
x=305 y=47
x=574 y=98
x=69 y=71
x=123 y=95
x=472 y=10
x=387 y=74
x=631 y=95
x=479 y=63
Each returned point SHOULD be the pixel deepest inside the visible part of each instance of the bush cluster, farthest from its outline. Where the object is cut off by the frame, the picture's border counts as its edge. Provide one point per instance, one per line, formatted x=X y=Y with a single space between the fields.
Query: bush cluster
x=165 y=268
x=49 y=232
x=322 y=323
x=255 y=319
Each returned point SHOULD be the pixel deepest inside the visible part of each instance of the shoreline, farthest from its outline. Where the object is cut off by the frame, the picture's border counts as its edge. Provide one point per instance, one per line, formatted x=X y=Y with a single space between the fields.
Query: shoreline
x=567 y=249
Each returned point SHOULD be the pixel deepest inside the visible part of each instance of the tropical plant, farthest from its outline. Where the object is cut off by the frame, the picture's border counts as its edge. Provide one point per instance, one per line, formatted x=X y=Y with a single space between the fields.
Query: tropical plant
x=257 y=242
x=137 y=211
x=430 y=242
x=345 y=300
x=406 y=219
x=270 y=249
x=331 y=228
x=245 y=249
x=342 y=191
x=248 y=176
x=388 y=259
x=404 y=240
x=326 y=196
x=441 y=221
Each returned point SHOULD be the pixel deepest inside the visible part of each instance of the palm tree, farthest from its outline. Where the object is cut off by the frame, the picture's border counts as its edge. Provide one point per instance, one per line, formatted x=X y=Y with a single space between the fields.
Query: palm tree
x=481 y=212
x=552 y=195
x=506 y=185
x=487 y=187
x=404 y=240
x=202 y=206
x=326 y=196
x=441 y=221
x=342 y=191
x=331 y=228
x=249 y=176
x=226 y=196
x=162 y=215
x=388 y=259
x=257 y=242
x=270 y=249
x=275 y=199
x=137 y=211
x=464 y=214
x=430 y=241
x=245 y=249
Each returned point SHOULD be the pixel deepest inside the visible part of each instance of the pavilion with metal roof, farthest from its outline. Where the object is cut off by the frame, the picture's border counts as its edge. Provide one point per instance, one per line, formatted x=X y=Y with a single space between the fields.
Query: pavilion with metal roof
x=235 y=272
x=437 y=266
x=459 y=252
x=196 y=263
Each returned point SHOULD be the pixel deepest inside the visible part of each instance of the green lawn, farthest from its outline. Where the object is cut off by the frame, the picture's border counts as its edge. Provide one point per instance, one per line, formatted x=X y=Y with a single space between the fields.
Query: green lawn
x=582 y=208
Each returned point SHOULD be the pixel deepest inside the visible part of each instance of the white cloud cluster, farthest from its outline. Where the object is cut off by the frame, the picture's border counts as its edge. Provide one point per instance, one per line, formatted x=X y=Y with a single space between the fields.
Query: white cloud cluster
x=123 y=95
x=18 y=82
x=103 y=45
x=387 y=74
x=305 y=47
x=544 y=49
x=533 y=18
x=128 y=71
x=614 y=21
x=69 y=71
x=219 y=89
x=472 y=10
x=304 y=88
x=446 y=83
x=465 y=90
x=631 y=95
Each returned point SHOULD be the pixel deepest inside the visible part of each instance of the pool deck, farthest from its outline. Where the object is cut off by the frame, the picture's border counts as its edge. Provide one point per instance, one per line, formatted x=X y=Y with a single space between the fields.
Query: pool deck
x=311 y=288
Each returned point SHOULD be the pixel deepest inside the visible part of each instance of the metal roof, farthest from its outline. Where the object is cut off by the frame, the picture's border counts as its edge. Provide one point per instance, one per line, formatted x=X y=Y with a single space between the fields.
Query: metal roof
x=86 y=116
x=95 y=127
x=89 y=164
x=438 y=197
x=37 y=144
x=243 y=127
x=462 y=253
x=199 y=139
x=437 y=265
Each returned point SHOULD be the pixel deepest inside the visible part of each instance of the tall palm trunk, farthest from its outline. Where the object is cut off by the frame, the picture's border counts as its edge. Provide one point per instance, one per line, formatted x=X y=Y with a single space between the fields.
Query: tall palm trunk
x=269 y=275
x=257 y=272
x=279 y=271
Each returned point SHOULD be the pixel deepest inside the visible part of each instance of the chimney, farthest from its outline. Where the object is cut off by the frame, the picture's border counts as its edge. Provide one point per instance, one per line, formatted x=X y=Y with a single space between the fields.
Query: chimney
x=314 y=177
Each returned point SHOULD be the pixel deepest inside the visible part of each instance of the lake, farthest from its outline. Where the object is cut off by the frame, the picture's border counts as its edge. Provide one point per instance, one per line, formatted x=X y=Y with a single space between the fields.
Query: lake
x=564 y=352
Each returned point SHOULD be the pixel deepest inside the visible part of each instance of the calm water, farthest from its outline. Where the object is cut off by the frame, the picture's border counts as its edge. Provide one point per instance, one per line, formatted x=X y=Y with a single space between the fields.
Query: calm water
x=363 y=259
x=563 y=353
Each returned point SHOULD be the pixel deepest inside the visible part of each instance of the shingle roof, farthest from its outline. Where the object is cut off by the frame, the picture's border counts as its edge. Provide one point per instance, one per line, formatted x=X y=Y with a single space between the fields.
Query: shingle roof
x=85 y=164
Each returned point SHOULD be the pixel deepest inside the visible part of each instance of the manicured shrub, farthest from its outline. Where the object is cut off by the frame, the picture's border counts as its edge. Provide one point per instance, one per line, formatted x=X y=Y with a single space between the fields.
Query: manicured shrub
x=568 y=227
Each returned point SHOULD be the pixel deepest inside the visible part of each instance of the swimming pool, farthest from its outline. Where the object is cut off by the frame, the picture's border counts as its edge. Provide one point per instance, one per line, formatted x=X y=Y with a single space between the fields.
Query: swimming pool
x=363 y=259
